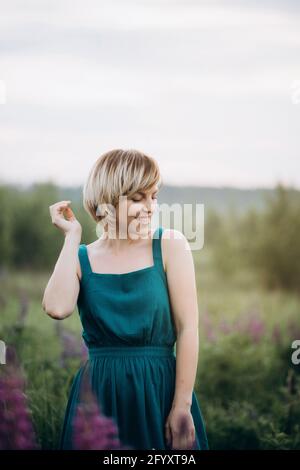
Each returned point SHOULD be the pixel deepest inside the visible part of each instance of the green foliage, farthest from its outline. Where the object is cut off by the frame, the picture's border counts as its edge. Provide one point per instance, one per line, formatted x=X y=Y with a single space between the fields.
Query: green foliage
x=278 y=244
x=251 y=404
x=248 y=389
x=7 y=199
x=27 y=236
x=266 y=242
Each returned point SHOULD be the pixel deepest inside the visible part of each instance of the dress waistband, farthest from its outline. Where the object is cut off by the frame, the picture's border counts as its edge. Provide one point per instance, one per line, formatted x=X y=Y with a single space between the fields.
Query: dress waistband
x=163 y=351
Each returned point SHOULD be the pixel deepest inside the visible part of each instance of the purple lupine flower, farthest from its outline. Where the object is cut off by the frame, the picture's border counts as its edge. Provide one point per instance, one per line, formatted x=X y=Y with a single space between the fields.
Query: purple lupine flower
x=251 y=325
x=92 y=430
x=255 y=328
x=16 y=428
x=225 y=327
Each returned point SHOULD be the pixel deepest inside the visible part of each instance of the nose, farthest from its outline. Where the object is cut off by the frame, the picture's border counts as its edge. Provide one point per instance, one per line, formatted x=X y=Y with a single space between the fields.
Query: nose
x=147 y=207
x=145 y=213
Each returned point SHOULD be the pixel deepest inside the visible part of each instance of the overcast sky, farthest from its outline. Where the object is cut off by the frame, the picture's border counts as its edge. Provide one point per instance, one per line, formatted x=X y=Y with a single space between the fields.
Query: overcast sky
x=210 y=89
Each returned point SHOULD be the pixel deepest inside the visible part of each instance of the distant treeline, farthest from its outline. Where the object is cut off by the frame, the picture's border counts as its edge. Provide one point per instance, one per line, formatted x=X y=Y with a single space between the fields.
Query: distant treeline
x=266 y=241
x=263 y=237
x=28 y=239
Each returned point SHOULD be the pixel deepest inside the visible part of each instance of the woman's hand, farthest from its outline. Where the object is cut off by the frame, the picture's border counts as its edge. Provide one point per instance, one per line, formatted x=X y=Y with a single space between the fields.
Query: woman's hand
x=67 y=225
x=180 y=429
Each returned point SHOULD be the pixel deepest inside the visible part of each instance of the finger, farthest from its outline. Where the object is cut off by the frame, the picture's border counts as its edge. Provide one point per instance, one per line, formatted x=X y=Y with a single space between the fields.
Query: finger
x=182 y=441
x=184 y=444
x=57 y=214
x=63 y=205
x=69 y=213
x=57 y=208
x=175 y=439
x=193 y=439
x=194 y=444
x=56 y=204
x=189 y=439
x=61 y=213
x=69 y=210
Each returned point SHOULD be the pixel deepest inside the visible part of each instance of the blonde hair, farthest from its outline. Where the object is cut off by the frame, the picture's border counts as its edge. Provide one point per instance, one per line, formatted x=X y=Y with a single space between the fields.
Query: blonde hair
x=118 y=173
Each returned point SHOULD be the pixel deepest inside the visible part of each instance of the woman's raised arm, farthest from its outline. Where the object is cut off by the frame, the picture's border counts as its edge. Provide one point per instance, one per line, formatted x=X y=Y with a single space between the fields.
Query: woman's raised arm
x=61 y=292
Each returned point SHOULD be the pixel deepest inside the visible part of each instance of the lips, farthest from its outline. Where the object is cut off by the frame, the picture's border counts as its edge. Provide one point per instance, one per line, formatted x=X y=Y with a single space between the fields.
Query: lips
x=143 y=219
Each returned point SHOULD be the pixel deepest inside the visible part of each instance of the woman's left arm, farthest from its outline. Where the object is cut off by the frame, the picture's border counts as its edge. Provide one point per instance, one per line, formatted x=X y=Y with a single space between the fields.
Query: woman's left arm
x=183 y=298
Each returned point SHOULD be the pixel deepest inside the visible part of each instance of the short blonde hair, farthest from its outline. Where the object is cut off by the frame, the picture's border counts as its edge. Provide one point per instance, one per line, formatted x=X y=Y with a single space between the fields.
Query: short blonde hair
x=118 y=173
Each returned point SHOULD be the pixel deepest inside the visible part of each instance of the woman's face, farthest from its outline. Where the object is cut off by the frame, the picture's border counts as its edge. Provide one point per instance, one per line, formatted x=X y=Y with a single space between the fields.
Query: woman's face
x=135 y=213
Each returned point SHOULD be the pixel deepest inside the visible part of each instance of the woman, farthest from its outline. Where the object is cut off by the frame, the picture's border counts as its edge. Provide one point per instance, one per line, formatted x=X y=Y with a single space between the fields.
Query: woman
x=136 y=295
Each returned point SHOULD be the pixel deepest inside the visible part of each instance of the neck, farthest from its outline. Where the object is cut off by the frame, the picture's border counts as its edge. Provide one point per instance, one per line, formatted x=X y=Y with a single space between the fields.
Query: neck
x=120 y=240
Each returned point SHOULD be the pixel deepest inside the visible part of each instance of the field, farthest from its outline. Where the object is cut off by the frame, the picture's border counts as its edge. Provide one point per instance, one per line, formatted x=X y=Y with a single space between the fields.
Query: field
x=247 y=386
x=248 y=284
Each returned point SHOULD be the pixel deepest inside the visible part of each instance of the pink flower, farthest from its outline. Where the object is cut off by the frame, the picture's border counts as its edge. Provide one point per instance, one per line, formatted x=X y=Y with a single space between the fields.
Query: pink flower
x=255 y=328
x=224 y=327
x=92 y=430
x=16 y=428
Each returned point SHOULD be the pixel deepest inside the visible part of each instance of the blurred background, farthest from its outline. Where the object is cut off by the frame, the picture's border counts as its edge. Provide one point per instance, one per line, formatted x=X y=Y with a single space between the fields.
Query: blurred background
x=211 y=90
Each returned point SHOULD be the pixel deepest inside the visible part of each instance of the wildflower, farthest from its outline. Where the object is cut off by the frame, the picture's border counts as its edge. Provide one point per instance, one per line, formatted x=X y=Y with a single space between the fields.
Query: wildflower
x=16 y=428
x=255 y=328
x=92 y=430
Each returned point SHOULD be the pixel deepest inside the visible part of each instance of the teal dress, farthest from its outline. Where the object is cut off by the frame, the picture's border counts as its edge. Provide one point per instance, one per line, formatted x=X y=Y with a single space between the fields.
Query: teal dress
x=130 y=334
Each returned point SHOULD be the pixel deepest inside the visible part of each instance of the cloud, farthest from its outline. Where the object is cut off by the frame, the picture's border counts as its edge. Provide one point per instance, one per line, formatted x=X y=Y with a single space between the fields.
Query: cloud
x=213 y=77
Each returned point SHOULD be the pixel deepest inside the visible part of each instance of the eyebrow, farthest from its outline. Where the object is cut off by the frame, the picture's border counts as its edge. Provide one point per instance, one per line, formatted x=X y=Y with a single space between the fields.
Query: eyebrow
x=141 y=192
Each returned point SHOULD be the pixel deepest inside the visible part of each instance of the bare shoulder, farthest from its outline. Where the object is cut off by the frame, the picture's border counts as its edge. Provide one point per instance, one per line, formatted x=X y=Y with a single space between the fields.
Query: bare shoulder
x=90 y=247
x=173 y=238
x=174 y=243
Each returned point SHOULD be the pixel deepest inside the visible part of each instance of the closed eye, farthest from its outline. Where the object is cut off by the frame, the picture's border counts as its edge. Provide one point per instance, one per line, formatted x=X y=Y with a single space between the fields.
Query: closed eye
x=138 y=200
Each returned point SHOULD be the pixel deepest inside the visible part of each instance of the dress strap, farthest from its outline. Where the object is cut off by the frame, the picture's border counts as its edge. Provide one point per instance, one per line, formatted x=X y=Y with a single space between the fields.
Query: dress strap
x=156 y=244
x=84 y=261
